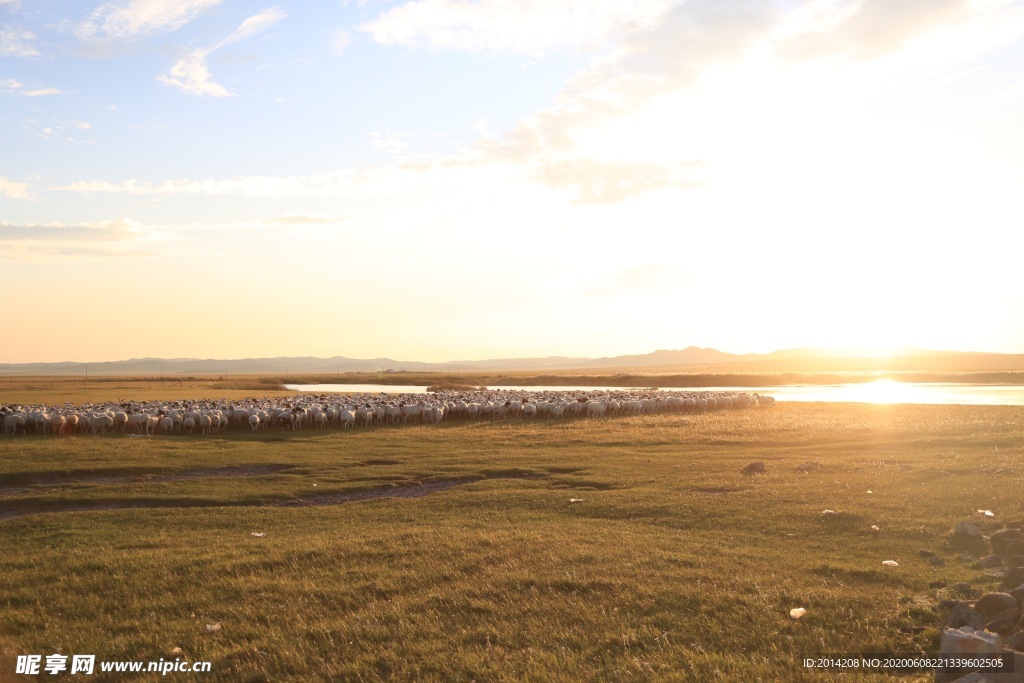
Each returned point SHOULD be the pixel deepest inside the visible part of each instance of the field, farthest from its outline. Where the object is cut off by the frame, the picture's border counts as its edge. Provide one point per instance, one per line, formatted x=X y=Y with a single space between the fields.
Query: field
x=672 y=565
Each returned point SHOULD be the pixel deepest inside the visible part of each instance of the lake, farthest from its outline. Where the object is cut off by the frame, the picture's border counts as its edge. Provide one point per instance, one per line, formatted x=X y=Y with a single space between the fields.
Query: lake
x=883 y=391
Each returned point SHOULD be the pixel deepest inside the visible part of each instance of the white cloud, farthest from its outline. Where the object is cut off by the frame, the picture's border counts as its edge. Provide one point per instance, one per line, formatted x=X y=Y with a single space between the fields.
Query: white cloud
x=9 y=188
x=257 y=23
x=654 y=277
x=340 y=41
x=600 y=182
x=285 y=221
x=322 y=185
x=870 y=28
x=15 y=87
x=130 y=19
x=191 y=74
x=1007 y=95
x=39 y=92
x=16 y=43
x=63 y=241
x=519 y=26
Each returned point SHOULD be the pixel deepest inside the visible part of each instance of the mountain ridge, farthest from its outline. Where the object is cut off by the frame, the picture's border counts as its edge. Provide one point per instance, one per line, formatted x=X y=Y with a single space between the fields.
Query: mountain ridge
x=693 y=357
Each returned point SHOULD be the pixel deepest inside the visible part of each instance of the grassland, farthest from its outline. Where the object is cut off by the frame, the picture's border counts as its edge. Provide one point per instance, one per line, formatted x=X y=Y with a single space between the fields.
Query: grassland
x=674 y=566
x=62 y=389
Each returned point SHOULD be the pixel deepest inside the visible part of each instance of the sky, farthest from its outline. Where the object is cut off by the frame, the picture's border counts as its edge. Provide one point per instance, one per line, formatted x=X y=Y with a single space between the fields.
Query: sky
x=439 y=180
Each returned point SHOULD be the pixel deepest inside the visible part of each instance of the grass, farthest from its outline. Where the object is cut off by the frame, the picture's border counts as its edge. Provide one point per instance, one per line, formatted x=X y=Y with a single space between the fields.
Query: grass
x=674 y=565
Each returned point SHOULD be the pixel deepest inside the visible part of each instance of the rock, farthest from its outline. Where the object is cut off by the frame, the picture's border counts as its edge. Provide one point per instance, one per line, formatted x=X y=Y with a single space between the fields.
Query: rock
x=937 y=561
x=937 y=584
x=974 y=677
x=1008 y=542
x=1016 y=642
x=1015 y=524
x=968 y=530
x=988 y=562
x=1007 y=535
x=965 y=615
x=991 y=604
x=965 y=641
x=1014 y=577
x=754 y=468
x=969 y=641
x=1009 y=547
x=1004 y=623
x=806 y=467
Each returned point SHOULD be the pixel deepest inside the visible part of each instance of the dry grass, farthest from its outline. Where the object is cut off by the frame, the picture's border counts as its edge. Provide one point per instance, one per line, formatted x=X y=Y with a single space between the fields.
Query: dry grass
x=674 y=565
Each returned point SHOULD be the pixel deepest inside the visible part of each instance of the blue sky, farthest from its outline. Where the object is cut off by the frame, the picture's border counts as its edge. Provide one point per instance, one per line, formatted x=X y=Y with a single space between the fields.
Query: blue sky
x=446 y=179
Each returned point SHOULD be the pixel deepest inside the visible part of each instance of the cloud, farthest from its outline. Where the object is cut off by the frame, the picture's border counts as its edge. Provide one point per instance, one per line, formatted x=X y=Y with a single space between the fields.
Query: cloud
x=15 y=87
x=39 y=92
x=340 y=41
x=870 y=28
x=530 y=27
x=600 y=182
x=1007 y=95
x=13 y=190
x=132 y=19
x=670 y=55
x=62 y=241
x=191 y=74
x=257 y=23
x=322 y=185
x=16 y=42
x=654 y=276
x=302 y=220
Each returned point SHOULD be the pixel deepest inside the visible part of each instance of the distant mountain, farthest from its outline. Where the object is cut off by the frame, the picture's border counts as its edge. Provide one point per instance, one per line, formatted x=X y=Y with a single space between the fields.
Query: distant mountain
x=691 y=359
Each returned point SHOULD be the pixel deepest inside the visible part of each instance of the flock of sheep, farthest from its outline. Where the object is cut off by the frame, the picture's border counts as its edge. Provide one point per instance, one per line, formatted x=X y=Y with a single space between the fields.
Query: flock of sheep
x=357 y=410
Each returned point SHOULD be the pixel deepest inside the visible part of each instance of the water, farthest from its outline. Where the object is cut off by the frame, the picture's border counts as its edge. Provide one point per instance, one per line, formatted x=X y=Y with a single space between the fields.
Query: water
x=881 y=391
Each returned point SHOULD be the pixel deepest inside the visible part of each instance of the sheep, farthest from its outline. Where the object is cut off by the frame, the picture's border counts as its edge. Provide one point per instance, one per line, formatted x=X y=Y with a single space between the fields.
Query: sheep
x=168 y=417
x=414 y=411
x=100 y=422
x=57 y=423
x=13 y=422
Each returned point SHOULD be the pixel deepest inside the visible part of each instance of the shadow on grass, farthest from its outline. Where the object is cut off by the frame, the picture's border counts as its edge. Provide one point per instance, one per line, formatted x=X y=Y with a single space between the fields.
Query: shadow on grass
x=35 y=506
